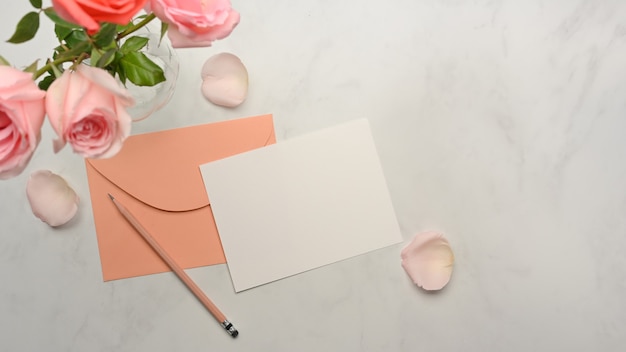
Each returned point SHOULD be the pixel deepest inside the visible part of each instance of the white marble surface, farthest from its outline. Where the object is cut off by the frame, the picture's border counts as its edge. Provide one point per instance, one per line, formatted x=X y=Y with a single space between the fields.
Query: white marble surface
x=501 y=123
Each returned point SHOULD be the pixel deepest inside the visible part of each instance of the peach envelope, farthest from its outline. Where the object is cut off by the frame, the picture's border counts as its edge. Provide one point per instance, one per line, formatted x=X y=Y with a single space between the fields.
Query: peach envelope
x=156 y=176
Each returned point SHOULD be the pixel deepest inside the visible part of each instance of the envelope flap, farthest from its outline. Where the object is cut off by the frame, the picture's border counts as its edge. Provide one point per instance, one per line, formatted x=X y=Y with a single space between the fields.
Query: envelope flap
x=161 y=168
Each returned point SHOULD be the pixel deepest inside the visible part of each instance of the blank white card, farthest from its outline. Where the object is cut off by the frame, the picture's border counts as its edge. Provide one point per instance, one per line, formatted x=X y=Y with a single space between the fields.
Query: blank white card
x=300 y=204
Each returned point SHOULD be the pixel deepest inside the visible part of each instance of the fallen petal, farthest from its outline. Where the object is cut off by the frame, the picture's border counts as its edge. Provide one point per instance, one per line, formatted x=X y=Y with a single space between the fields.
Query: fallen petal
x=224 y=80
x=428 y=260
x=51 y=199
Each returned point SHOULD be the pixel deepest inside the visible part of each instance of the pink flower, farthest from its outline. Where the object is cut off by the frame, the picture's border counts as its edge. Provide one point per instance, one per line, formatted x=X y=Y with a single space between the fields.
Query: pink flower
x=88 y=13
x=87 y=109
x=195 y=23
x=21 y=117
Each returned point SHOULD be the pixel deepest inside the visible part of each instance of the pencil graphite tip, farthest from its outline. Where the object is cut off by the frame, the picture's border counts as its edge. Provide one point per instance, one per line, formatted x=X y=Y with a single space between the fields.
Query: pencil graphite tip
x=110 y=196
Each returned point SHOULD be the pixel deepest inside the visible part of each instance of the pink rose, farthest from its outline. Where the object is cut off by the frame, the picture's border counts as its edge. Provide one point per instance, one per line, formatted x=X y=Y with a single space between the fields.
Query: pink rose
x=195 y=23
x=88 y=13
x=87 y=109
x=21 y=116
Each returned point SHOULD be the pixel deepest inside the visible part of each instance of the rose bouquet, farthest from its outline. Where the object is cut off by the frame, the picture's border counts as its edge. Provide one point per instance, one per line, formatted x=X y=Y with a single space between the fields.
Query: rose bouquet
x=81 y=86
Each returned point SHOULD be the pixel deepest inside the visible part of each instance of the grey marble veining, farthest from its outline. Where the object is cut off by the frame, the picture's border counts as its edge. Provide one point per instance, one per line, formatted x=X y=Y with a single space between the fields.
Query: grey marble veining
x=500 y=123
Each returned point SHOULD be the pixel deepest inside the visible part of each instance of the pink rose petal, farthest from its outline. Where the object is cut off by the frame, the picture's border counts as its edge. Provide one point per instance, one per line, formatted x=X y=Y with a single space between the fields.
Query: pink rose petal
x=51 y=199
x=428 y=260
x=224 y=80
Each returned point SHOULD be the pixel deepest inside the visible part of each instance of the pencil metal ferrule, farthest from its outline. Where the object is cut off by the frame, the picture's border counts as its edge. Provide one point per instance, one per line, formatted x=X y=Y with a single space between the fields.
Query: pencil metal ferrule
x=230 y=329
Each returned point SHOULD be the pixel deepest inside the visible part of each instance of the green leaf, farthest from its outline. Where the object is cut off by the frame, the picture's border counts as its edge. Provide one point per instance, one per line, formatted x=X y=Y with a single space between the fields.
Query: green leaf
x=32 y=68
x=118 y=67
x=52 y=15
x=106 y=35
x=4 y=61
x=75 y=38
x=46 y=82
x=62 y=32
x=36 y=3
x=122 y=76
x=140 y=70
x=95 y=56
x=106 y=59
x=164 y=27
x=134 y=44
x=26 y=28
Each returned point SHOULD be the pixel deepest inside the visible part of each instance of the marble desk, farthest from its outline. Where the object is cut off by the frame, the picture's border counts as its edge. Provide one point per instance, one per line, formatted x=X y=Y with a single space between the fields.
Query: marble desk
x=500 y=123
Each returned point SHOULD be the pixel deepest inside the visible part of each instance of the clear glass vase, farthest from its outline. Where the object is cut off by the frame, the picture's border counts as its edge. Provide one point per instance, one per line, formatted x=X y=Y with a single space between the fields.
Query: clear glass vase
x=160 y=51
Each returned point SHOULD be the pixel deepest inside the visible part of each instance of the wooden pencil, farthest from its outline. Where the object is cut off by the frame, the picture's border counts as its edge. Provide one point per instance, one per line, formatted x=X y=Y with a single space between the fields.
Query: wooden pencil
x=212 y=308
